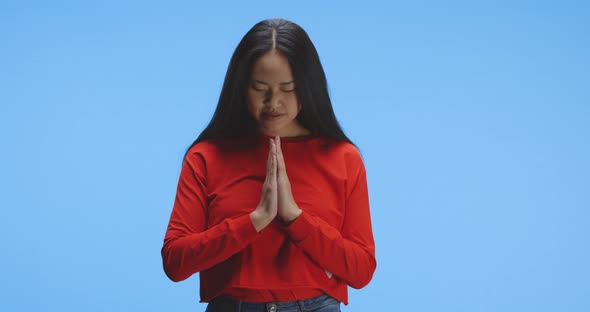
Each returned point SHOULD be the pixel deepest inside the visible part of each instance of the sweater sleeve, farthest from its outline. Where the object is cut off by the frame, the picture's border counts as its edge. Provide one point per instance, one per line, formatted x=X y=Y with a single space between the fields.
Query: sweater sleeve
x=348 y=253
x=189 y=246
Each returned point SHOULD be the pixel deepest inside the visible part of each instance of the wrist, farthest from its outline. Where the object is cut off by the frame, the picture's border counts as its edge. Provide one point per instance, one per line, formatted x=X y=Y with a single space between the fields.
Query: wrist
x=292 y=216
x=260 y=219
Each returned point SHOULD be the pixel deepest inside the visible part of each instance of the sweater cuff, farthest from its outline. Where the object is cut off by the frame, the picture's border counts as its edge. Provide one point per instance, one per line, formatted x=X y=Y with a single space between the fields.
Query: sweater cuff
x=244 y=227
x=301 y=227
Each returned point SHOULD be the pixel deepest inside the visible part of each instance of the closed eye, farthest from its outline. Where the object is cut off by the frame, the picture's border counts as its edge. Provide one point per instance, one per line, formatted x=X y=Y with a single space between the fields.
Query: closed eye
x=264 y=90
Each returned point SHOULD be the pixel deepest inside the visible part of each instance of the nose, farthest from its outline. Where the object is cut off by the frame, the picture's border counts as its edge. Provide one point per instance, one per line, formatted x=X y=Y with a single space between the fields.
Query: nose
x=272 y=100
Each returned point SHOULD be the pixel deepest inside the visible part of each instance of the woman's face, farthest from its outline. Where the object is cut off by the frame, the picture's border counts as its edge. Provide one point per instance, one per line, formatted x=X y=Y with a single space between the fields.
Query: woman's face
x=271 y=96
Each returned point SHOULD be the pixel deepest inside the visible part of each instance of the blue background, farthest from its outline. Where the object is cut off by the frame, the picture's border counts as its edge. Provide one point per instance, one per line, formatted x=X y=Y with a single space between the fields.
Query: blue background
x=473 y=118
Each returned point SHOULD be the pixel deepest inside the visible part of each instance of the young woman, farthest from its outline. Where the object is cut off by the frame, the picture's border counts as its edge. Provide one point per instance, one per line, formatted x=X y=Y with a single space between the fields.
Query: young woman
x=272 y=204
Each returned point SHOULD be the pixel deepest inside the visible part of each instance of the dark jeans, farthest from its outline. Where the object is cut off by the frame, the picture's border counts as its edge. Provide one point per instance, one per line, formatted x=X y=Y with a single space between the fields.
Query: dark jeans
x=323 y=303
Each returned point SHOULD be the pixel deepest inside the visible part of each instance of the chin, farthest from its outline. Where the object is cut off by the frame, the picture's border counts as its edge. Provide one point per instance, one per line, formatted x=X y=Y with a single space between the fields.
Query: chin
x=273 y=129
x=271 y=132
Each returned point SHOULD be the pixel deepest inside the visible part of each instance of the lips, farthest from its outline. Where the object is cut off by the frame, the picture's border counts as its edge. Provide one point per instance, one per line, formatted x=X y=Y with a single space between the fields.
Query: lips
x=270 y=116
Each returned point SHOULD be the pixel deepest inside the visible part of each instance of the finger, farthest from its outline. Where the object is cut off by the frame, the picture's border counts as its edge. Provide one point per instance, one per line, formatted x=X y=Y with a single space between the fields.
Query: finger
x=273 y=173
x=269 y=160
x=272 y=153
x=281 y=160
x=269 y=148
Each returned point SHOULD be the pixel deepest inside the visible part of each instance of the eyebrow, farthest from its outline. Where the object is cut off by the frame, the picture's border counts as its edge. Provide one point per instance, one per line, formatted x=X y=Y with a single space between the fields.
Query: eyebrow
x=266 y=83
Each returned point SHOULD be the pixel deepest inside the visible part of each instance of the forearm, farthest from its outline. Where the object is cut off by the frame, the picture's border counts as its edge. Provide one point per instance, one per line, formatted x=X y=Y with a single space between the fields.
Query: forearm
x=352 y=260
x=184 y=255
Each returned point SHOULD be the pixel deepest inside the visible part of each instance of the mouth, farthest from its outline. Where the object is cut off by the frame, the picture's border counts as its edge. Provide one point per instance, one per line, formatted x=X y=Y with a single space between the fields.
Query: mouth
x=272 y=116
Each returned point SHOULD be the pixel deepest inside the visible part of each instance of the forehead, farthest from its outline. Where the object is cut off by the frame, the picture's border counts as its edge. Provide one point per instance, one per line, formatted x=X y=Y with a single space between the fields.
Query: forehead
x=272 y=66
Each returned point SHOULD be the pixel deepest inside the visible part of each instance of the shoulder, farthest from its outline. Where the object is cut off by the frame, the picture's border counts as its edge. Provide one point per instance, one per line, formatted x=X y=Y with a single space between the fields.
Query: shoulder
x=216 y=152
x=215 y=147
x=198 y=151
x=344 y=156
x=200 y=148
x=348 y=160
x=345 y=151
x=199 y=155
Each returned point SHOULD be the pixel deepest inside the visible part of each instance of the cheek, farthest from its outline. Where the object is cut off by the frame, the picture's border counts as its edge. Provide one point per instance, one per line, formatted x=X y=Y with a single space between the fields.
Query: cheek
x=252 y=103
x=296 y=106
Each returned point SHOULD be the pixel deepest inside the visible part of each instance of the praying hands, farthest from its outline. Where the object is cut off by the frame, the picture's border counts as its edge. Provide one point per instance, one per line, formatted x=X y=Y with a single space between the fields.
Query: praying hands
x=277 y=198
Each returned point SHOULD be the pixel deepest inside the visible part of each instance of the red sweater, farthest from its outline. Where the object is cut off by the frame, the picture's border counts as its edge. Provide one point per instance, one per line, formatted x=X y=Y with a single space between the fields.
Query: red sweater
x=329 y=246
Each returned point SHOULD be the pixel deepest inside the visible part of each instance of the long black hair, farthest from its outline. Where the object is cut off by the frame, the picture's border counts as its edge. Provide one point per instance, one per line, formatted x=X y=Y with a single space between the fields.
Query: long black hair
x=232 y=119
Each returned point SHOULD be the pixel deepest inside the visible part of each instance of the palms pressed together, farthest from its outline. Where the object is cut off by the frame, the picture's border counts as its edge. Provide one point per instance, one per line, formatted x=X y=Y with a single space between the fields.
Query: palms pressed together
x=277 y=198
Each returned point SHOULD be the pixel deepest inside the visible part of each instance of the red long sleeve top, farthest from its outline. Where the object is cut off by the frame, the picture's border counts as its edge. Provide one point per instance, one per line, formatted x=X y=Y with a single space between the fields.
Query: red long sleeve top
x=329 y=246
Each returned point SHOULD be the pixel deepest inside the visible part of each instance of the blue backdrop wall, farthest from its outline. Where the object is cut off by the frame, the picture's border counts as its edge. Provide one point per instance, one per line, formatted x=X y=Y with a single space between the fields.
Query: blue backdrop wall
x=473 y=119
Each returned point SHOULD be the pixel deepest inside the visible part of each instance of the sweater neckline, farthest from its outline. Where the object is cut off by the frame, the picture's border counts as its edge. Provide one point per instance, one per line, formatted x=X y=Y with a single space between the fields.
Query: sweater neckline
x=285 y=139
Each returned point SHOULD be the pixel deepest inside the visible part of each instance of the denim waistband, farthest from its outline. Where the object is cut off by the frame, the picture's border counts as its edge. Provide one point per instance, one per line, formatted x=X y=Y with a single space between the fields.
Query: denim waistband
x=226 y=304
